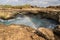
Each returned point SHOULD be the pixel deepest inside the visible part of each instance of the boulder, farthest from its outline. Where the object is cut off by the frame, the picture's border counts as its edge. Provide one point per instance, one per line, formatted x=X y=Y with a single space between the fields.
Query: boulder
x=46 y=33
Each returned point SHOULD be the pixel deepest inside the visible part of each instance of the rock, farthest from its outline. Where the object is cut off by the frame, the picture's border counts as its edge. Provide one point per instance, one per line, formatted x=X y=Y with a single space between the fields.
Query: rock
x=18 y=32
x=44 y=12
x=57 y=37
x=56 y=31
x=55 y=7
x=7 y=15
x=46 y=33
x=23 y=32
x=59 y=18
x=51 y=15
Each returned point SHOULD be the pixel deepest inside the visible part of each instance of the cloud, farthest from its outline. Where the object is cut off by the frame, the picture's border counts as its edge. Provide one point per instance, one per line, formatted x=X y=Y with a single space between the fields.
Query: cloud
x=45 y=2
x=12 y=0
x=32 y=2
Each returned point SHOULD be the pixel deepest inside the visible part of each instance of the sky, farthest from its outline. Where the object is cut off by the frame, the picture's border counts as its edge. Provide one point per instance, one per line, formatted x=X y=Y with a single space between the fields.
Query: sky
x=32 y=2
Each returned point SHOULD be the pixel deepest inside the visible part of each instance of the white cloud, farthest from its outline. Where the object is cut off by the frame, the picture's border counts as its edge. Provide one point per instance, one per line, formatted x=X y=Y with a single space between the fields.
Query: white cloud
x=32 y=2
x=12 y=0
x=45 y=2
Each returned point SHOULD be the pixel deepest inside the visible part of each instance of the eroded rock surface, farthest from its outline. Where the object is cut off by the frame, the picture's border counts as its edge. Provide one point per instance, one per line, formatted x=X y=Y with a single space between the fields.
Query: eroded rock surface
x=44 y=12
x=48 y=33
x=22 y=32
x=18 y=32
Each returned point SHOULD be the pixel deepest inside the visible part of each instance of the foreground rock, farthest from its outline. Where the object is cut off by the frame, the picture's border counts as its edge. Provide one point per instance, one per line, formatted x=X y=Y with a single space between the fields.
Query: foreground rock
x=48 y=33
x=18 y=32
x=22 y=32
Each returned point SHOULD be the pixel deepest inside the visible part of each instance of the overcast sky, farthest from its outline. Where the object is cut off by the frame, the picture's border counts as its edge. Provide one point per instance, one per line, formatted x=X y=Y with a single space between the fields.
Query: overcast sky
x=32 y=2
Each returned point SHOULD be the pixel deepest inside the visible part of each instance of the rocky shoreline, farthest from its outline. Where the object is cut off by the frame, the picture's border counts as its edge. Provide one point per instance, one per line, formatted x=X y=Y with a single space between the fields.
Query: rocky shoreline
x=44 y=12
x=22 y=32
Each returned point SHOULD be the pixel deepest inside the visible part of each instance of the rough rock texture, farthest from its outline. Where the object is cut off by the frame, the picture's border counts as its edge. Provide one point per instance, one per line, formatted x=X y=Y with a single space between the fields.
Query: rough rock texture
x=51 y=14
x=22 y=32
x=44 y=12
x=57 y=32
x=59 y=17
x=6 y=15
x=17 y=32
x=49 y=35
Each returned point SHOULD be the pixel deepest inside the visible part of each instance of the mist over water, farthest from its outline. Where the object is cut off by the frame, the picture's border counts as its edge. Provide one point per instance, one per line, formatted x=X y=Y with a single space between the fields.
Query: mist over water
x=32 y=21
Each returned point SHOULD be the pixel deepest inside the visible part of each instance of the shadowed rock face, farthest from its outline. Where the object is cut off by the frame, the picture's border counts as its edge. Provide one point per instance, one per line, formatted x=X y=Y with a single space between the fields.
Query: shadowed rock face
x=49 y=35
x=7 y=15
x=51 y=15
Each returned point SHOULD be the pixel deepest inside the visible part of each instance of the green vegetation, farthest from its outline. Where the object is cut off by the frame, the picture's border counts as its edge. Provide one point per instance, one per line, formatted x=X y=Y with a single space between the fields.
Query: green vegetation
x=19 y=7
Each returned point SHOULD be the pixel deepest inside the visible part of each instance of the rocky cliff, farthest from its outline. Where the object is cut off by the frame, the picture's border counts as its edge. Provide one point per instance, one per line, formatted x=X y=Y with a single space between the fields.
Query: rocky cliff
x=22 y=32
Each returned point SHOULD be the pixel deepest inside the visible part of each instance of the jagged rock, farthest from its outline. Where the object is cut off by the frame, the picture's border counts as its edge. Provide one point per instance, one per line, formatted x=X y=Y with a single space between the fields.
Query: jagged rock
x=55 y=7
x=59 y=18
x=23 y=32
x=45 y=12
x=7 y=15
x=51 y=15
x=46 y=33
x=56 y=31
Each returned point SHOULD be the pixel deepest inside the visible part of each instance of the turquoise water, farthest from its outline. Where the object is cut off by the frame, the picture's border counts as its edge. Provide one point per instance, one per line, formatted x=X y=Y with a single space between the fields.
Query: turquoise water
x=33 y=21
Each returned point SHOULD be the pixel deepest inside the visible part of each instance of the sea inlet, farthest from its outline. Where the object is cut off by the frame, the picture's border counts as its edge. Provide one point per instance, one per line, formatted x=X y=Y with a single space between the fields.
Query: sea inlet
x=34 y=21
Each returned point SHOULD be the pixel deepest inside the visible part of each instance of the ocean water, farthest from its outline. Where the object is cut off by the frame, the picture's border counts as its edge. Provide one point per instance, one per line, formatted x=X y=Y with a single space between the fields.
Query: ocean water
x=32 y=21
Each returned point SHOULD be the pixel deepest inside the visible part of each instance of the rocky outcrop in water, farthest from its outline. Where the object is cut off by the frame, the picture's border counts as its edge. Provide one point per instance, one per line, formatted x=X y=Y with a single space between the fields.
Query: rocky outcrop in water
x=22 y=32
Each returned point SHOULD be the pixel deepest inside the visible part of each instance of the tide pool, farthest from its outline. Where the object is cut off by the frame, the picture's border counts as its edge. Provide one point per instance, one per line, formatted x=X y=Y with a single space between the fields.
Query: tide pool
x=33 y=21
